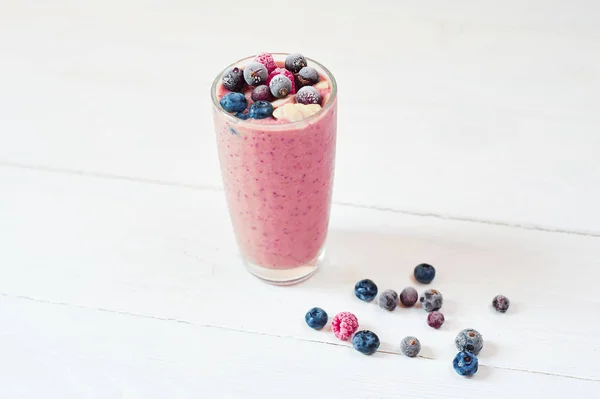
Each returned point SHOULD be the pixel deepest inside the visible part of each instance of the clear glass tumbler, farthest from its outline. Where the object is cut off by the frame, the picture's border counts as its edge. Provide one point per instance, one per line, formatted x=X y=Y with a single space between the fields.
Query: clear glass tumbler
x=278 y=180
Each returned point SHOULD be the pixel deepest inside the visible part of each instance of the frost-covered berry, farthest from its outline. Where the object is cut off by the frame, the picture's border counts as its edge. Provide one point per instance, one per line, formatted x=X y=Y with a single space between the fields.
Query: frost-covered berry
x=431 y=300
x=410 y=346
x=295 y=62
x=366 y=342
x=365 y=290
x=308 y=95
x=435 y=319
x=267 y=60
x=469 y=340
x=261 y=93
x=409 y=296
x=343 y=325
x=388 y=300
x=501 y=303
x=280 y=86
x=308 y=76
x=465 y=363
x=233 y=79
x=255 y=74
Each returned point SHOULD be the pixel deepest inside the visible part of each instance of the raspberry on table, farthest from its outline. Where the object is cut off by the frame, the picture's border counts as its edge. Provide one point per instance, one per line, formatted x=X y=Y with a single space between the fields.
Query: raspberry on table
x=424 y=273
x=435 y=319
x=500 y=303
x=410 y=346
x=388 y=300
x=316 y=318
x=343 y=325
x=267 y=60
x=409 y=296
x=431 y=300
x=366 y=342
x=469 y=340
x=365 y=290
x=465 y=363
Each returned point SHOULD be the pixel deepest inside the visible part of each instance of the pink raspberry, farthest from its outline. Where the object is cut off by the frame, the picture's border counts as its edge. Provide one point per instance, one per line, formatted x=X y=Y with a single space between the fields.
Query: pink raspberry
x=344 y=324
x=285 y=72
x=267 y=60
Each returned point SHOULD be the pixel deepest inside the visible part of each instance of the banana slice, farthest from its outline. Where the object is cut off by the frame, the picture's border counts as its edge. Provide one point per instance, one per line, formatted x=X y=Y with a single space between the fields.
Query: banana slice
x=322 y=85
x=296 y=112
x=282 y=101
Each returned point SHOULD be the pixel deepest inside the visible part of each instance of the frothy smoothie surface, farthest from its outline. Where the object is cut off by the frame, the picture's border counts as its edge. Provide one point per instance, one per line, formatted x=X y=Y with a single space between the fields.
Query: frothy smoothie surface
x=277 y=158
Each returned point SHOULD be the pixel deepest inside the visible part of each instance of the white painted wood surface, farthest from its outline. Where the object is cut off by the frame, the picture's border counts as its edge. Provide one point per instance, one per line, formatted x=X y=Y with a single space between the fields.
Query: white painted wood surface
x=119 y=276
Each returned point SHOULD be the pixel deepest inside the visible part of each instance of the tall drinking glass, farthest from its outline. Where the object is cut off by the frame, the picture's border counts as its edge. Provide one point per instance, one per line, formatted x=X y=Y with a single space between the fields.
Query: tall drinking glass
x=278 y=180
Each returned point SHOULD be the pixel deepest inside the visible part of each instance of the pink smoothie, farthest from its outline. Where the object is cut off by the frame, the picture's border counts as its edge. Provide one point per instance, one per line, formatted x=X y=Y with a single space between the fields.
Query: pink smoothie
x=278 y=182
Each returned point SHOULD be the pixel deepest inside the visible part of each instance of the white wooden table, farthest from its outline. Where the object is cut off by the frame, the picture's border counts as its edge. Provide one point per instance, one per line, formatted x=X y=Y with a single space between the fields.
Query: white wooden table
x=119 y=276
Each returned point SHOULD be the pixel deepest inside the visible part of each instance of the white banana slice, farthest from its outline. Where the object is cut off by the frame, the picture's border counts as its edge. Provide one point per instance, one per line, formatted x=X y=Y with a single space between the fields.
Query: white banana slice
x=296 y=112
x=322 y=85
x=282 y=101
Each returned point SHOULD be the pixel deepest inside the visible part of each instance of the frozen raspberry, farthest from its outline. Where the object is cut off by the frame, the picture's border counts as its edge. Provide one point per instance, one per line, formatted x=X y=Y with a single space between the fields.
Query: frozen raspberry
x=267 y=60
x=343 y=325
x=288 y=74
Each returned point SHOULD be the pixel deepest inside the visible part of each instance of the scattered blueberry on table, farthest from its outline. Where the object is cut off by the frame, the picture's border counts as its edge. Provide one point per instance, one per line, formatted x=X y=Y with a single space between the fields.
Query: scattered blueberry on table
x=316 y=318
x=410 y=346
x=431 y=300
x=409 y=296
x=469 y=340
x=465 y=363
x=366 y=342
x=388 y=300
x=500 y=303
x=365 y=290
x=435 y=319
x=424 y=273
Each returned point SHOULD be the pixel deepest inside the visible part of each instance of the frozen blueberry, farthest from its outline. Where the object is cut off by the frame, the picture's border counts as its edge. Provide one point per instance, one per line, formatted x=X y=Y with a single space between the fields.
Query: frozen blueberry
x=241 y=115
x=410 y=346
x=465 y=363
x=308 y=95
x=469 y=340
x=435 y=319
x=316 y=318
x=308 y=76
x=388 y=300
x=260 y=110
x=233 y=79
x=501 y=303
x=366 y=342
x=365 y=290
x=424 y=273
x=234 y=102
x=431 y=300
x=261 y=93
x=280 y=86
x=409 y=296
x=295 y=62
x=255 y=74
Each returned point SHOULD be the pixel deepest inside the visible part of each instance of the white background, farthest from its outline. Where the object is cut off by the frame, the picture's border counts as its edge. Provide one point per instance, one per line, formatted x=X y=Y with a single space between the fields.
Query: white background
x=468 y=138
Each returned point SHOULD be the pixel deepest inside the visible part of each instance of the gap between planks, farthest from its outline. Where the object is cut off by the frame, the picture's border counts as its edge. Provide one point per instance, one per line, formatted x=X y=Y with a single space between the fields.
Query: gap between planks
x=192 y=323
x=99 y=175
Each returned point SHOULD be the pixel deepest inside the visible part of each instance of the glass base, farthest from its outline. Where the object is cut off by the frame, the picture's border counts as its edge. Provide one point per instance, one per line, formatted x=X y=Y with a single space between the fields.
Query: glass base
x=291 y=276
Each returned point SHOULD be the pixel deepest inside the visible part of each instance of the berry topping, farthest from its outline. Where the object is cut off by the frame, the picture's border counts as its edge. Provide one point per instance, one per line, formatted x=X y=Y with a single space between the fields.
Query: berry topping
x=283 y=71
x=465 y=363
x=435 y=319
x=409 y=296
x=261 y=93
x=343 y=325
x=366 y=342
x=308 y=95
x=316 y=318
x=295 y=112
x=469 y=340
x=500 y=303
x=388 y=300
x=431 y=300
x=241 y=116
x=267 y=60
x=260 y=110
x=234 y=102
x=424 y=273
x=255 y=74
x=308 y=76
x=365 y=290
x=280 y=86
x=410 y=346
x=233 y=79
x=295 y=62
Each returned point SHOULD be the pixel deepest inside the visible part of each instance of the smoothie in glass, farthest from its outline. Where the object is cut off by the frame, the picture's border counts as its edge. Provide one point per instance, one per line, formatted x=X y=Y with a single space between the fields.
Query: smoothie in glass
x=277 y=159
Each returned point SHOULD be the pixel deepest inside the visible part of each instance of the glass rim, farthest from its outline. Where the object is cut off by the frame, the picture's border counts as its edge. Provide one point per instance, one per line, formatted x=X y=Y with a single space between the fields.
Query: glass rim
x=279 y=126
